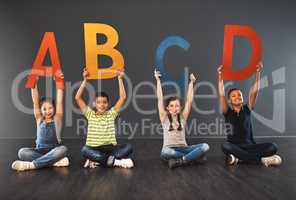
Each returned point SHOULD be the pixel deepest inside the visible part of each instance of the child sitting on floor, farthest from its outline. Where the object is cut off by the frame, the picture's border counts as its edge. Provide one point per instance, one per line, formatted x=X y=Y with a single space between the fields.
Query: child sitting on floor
x=241 y=145
x=48 y=151
x=101 y=147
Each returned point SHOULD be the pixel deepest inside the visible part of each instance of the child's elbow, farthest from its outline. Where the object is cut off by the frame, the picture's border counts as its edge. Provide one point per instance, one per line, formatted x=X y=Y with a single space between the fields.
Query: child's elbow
x=123 y=97
x=77 y=98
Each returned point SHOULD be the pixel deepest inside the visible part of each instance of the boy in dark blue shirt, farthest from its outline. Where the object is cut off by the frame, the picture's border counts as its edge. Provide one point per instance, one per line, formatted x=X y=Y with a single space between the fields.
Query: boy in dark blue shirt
x=240 y=144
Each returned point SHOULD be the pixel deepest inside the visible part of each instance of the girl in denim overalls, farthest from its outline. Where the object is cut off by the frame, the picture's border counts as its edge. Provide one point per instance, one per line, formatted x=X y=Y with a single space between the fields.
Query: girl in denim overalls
x=48 y=151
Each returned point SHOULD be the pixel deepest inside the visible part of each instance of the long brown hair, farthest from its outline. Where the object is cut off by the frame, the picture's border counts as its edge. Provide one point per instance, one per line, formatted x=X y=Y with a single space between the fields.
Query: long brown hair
x=167 y=102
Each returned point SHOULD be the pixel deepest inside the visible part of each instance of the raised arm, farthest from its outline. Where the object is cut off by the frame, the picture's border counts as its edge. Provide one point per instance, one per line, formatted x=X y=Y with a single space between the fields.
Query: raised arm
x=59 y=98
x=255 y=88
x=189 y=97
x=79 y=93
x=161 y=109
x=122 y=94
x=36 y=105
x=222 y=98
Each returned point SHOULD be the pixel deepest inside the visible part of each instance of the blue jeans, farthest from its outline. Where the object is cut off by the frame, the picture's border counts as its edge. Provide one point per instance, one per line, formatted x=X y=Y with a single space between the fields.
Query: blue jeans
x=100 y=154
x=190 y=153
x=250 y=152
x=42 y=157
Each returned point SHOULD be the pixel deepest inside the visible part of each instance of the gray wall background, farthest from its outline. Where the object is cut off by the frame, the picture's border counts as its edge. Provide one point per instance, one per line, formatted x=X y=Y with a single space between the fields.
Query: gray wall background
x=142 y=25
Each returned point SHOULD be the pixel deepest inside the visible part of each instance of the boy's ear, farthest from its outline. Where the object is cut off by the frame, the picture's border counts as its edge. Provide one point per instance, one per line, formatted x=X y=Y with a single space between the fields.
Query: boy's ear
x=94 y=104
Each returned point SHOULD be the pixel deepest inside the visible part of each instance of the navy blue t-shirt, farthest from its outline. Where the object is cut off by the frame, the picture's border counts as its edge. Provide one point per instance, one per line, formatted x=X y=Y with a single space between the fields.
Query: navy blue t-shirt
x=242 y=130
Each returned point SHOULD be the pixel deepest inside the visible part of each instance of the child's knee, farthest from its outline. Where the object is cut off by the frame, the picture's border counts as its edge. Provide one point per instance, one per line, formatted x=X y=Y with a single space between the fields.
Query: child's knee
x=22 y=153
x=163 y=157
x=166 y=153
x=226 y=148
x=205 y=147
x=129 y=148
x=59 y=152
x=84 y=150
x=63 y=150
x=273 y=147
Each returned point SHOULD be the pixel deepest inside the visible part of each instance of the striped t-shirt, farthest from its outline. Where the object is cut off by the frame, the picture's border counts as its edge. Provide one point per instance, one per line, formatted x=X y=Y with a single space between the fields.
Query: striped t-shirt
x=101 y=127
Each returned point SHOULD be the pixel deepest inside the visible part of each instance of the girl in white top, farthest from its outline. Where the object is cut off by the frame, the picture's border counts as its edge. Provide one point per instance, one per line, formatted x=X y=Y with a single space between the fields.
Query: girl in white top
x=173 y=118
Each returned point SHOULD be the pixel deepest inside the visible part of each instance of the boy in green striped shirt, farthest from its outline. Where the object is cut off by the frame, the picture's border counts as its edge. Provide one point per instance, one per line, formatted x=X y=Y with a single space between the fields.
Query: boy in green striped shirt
x=101 y=147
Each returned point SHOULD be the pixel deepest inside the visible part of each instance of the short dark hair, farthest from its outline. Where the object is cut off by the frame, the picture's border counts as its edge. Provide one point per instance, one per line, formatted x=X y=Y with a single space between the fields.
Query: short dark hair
x=231 y=90
x=102 y=94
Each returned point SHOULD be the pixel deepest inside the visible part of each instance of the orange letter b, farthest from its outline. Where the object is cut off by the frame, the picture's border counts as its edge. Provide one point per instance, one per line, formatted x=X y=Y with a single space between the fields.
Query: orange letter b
x=92 y=50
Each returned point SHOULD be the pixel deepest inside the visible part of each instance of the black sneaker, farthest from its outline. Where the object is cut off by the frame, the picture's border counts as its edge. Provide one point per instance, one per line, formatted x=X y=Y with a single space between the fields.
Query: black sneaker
x=201 y=160
x=173 y=163
x=231 y=160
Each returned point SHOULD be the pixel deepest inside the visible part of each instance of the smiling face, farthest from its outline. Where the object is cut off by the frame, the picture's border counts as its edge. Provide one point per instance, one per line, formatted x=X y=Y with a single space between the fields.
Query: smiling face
x=174 y=107
x=47 y=110
x=101 y=104
x=236 y=98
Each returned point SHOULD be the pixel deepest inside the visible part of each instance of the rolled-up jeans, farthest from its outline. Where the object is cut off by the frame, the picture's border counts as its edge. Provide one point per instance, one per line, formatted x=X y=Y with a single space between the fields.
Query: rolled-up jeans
x=190 y=153
x=42 y=157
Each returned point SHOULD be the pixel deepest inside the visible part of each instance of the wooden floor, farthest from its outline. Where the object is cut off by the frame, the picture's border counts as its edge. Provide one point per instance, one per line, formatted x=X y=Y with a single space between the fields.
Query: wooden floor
x=151 y=178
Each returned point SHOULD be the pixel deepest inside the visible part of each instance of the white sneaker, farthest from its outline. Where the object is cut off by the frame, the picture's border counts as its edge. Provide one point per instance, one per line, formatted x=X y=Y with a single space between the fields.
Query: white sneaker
x=124 y=163
x=274 y=160
x=64 y=162
x=231 y=160
x=22 y=165
x=90 y=164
